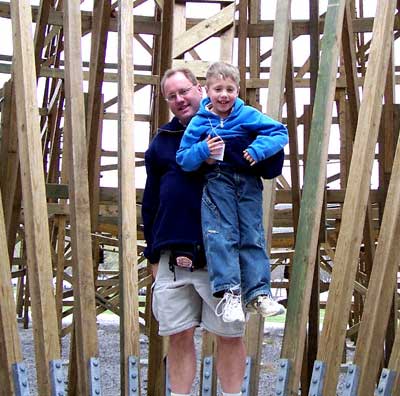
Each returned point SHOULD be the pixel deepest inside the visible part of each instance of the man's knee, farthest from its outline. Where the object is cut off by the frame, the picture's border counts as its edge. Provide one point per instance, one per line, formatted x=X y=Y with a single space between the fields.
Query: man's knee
x=182 y=339
x=230 y=341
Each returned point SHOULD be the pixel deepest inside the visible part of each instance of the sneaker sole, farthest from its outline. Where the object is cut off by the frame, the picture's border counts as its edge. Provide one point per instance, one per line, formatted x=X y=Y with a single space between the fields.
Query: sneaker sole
x=232 y=321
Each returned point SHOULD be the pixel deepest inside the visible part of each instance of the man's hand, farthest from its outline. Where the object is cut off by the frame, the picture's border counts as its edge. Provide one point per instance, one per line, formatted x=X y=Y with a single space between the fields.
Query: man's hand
x=249 y=158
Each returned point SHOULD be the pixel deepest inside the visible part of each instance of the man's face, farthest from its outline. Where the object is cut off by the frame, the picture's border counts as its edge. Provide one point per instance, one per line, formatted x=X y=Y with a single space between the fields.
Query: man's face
x=183 y=97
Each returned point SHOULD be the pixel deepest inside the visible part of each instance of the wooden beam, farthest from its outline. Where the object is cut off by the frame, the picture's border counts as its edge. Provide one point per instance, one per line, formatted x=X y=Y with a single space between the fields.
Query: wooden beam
x=371 y=335
x=226 y=41
x=10 y=175
x=165 y=55
x=94 y=115
x=350 y=236
x=33 y=190
x=274 y=110
x=313 y=196
x=10 y=345
x=242 y=45
x=202 y=31
x=129 y=308
x=40 y=30
x=83 y=283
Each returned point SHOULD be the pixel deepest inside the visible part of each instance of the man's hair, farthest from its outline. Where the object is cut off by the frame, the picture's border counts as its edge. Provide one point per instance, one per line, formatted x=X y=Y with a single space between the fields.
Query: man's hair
x=223 y=70
x=171 y=72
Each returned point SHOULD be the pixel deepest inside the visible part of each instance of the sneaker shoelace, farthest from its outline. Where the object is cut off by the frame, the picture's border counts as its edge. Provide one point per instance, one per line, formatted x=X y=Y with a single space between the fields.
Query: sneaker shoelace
x=230 y=300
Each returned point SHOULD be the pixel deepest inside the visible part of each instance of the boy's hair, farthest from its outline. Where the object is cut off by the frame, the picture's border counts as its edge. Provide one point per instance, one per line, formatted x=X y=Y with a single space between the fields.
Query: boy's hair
x=223 y=70
x=184 y=70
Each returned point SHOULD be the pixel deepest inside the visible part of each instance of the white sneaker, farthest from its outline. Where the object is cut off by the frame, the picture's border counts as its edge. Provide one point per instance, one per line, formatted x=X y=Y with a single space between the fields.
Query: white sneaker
x=265 y=306
x=232 y=310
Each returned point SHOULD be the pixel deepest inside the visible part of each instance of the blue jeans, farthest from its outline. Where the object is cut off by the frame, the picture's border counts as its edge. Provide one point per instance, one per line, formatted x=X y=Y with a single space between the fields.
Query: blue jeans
x=233 y=232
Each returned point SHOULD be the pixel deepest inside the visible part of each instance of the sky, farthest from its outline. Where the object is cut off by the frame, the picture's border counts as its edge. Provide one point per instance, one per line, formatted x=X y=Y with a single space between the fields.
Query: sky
x=206 y=50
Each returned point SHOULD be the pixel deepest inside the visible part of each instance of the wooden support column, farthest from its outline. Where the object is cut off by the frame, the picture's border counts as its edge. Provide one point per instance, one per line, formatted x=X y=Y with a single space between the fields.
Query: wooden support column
x=129 y=306
x=10 y=175
x=254 y=54
x=34 y=196
x=293 y=140
x=85 y=331
x=10 y=346
x=378 y=302
x=390 y=134
x=350 y=236
x=274 y=110
x=94 y=116
x=313 y=196
x=312 y=339
x=40 y=31
x=394 y=362
x=226 y=41
x=242 y=46
x=166 y=53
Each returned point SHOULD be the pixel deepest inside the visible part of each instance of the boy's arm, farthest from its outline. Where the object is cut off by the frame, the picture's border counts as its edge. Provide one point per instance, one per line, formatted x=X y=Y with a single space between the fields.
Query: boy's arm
x=272 y=136
x=193 y=149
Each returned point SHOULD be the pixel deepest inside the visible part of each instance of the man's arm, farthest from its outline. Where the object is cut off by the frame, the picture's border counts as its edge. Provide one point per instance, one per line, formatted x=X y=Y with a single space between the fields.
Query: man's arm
x=150 y=204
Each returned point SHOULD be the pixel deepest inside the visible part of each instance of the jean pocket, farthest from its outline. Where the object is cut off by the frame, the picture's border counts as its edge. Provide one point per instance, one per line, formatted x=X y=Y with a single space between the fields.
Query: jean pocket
x=211 y=176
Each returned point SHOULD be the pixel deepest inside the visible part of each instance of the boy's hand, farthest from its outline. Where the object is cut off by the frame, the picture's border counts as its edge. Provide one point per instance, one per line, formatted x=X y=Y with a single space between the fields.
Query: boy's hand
x=215 y=146
x=249 y=158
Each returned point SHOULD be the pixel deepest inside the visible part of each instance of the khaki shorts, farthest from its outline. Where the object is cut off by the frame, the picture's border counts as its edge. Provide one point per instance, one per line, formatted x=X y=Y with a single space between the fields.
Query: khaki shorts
x=186 y=301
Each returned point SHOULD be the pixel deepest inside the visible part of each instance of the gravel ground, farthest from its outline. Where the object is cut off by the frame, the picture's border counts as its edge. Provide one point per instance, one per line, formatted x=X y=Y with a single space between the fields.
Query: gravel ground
x=108 y=333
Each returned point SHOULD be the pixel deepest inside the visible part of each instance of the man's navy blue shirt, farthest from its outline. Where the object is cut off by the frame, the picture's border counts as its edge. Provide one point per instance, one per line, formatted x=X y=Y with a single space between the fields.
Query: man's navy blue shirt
x=171 y=207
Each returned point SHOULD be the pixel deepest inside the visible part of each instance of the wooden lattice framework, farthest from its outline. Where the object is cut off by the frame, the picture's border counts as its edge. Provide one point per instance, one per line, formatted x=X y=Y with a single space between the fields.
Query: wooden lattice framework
x=55 y=215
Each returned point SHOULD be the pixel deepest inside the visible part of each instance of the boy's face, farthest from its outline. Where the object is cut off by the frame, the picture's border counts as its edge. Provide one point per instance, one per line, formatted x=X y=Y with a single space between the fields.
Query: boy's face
x=222 y=93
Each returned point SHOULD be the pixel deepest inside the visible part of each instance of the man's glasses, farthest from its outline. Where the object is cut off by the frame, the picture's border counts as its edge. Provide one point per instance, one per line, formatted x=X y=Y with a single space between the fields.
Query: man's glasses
x=182 y=92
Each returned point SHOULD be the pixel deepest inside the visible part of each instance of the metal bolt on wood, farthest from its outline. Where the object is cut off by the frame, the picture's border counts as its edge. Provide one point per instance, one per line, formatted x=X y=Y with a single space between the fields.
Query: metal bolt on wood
x=207 y=376
x=283 y=377
x=386 y=382
x=94 y=377
x=317 y=379
x=351 y=380
x=57 y=378
x=246 y=378
x=20 y=375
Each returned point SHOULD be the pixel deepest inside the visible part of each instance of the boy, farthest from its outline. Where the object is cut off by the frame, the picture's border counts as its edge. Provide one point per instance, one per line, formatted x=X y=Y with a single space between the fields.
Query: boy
x=238 y=142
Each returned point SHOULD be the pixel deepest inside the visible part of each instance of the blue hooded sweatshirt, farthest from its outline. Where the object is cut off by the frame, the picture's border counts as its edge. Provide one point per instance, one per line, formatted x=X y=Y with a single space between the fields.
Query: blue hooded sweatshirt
x=244 y=128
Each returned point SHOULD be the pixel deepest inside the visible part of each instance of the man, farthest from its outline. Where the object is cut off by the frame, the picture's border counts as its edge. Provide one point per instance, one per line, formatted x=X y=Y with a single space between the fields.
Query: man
x=182 y=298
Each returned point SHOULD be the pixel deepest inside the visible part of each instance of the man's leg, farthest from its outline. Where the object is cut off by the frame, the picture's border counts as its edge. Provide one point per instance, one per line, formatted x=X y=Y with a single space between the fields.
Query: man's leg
x=231 y=362
x=181 y=361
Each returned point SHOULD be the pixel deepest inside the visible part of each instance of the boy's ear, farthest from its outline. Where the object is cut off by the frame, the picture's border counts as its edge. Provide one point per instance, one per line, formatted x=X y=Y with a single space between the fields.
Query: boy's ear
x=206 y=88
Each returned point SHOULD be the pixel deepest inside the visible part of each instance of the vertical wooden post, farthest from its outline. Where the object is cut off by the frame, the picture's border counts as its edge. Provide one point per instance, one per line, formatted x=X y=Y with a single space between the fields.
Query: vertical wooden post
x=10 y=346
x=166 y=51
x=378 y=302
x=348 y=245
x=313 y=195
x=129 y=311
x=83 y=280
x=94 y=118
x=34 y=196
